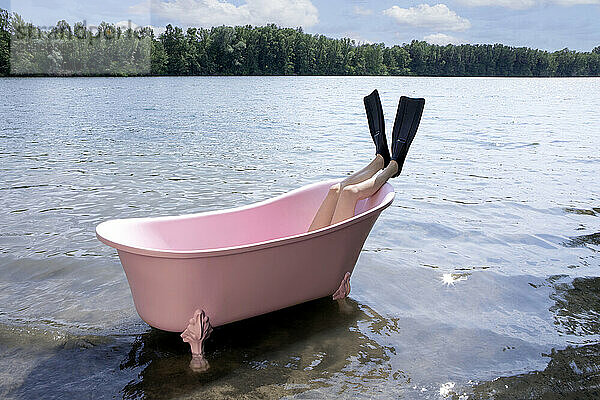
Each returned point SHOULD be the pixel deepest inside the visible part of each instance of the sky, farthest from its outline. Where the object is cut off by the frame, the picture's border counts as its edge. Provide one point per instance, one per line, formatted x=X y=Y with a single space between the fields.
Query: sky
x=543 y=24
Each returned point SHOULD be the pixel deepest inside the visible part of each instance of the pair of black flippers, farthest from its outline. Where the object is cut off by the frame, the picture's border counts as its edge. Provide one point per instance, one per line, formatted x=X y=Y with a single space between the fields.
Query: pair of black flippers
x=405 y=128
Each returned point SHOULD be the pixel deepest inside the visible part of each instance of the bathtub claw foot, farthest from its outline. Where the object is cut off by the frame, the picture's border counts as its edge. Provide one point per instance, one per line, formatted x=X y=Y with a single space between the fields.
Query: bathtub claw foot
x=199 y=363
x=196 y=333
x=344 y=289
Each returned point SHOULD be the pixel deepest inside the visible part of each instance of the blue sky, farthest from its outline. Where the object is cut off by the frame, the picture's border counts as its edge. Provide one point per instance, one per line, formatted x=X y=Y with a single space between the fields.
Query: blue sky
x=544 y=24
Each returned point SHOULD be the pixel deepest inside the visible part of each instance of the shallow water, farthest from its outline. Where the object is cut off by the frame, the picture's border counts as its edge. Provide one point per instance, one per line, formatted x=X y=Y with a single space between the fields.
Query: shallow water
x=482 y=280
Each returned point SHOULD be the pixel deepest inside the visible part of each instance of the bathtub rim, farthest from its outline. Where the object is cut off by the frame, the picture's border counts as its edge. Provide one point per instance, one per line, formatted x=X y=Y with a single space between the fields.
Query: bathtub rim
x=222 y=251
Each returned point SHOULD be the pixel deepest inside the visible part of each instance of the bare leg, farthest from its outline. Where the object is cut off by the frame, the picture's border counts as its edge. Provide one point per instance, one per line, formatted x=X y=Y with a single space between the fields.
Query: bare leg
x=327 y=208
x=353 y=193
x=365 y=173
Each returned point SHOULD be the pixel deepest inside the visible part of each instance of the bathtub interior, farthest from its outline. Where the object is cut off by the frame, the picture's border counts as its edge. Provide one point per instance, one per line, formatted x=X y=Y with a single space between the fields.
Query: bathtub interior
x=287 y=215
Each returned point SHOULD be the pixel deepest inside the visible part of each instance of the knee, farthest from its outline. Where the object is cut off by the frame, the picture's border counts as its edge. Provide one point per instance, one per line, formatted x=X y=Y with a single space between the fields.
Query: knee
x=350 y=192
x=335 y=189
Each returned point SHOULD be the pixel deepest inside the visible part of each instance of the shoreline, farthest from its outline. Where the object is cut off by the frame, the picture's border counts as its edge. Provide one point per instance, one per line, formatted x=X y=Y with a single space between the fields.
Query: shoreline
x=301 y=76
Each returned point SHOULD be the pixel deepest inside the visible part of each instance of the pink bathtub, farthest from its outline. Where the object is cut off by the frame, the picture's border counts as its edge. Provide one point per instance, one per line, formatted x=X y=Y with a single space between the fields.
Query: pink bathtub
x=223 y=266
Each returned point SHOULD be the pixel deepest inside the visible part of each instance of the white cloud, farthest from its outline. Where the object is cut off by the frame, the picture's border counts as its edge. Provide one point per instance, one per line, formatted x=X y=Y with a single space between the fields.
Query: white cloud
x=438 y=16
x=523 y=4
x=207 y=13
x=575 y=2
x=358 y=10
x=514 y=4
x=442 y=39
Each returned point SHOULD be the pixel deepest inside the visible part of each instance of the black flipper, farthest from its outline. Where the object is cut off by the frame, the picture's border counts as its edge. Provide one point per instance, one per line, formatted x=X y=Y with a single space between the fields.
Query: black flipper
x=377 y=125
x=406 y=124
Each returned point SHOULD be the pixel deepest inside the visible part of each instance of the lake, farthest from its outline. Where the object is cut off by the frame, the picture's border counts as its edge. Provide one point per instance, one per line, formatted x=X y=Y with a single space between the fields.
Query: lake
x=482 y=280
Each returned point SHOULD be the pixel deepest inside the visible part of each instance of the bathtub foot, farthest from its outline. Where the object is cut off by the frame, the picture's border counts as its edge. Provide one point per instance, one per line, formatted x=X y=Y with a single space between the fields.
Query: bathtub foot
x=344 y=289
x=197 y=331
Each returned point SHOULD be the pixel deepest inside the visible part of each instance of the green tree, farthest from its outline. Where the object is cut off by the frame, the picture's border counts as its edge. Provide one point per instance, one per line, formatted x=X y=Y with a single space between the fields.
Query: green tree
x=374 y=59
x=566 y=64
x=418 y=57
x=175 y=47
x=158 y=61
x=4 y=42
x=263 y=50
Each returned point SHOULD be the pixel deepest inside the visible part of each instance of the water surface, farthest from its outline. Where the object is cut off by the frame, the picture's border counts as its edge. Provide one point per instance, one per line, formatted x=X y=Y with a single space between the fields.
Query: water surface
x=482 y=280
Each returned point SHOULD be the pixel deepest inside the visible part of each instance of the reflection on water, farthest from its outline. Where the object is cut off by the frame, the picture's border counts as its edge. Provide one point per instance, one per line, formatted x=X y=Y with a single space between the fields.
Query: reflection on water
x=313 y=346
x=307 y=347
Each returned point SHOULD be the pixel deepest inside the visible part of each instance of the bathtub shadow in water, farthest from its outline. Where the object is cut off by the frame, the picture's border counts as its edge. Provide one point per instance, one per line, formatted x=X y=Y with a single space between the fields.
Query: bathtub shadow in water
x=312 y=346
x=309 y=346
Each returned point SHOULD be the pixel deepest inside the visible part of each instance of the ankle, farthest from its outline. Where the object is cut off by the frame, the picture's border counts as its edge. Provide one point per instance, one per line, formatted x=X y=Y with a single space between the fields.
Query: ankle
x=378 y=162
x=392 y=168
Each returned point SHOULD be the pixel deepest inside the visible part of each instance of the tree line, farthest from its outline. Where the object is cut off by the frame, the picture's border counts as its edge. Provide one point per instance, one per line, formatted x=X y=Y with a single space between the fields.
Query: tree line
x=259 y=50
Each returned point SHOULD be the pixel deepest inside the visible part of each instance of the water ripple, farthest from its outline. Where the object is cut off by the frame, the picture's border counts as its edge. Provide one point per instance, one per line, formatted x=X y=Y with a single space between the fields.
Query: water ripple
x=454 y=281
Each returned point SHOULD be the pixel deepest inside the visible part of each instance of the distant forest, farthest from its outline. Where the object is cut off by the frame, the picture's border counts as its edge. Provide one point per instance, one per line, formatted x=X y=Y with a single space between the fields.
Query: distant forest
x=111 y=50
